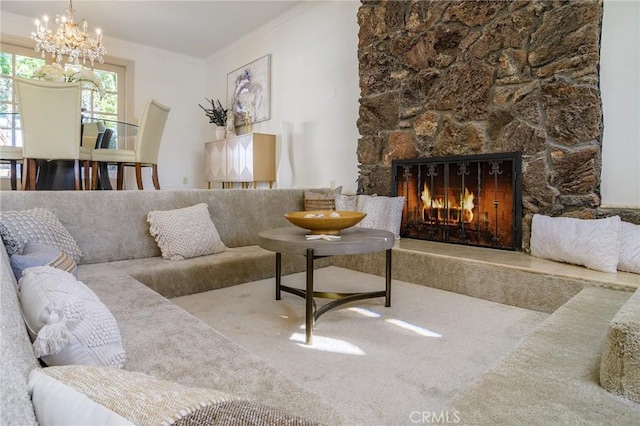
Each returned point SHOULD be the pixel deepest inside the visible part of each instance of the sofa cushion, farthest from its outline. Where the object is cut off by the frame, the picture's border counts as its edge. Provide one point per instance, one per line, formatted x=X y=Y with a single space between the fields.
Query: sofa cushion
x=629 y=247
x=591 y=243
x=40 y=225
x=37 y=254
x=69 y=323
x=185 y=233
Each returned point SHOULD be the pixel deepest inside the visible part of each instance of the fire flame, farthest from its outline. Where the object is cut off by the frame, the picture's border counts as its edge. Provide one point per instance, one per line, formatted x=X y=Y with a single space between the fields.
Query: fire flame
x=465 y=207
x=466 y=204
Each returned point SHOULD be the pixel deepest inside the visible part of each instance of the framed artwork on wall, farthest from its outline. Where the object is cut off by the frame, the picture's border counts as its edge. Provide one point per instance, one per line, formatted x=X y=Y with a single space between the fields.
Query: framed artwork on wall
x=249 y=92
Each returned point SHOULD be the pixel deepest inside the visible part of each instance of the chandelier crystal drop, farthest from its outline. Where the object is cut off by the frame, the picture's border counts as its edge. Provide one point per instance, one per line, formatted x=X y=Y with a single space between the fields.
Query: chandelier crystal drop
x=68 y=39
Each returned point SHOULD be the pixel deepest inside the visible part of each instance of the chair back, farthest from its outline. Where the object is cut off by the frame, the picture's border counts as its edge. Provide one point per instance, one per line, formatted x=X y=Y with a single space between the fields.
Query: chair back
x=150 y=132
x=50 y=115
x=106 y=139
x=90 y=133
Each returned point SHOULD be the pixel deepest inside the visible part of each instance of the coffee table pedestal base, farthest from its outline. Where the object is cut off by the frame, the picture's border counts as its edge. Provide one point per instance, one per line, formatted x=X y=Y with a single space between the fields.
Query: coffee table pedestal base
x=312 y=313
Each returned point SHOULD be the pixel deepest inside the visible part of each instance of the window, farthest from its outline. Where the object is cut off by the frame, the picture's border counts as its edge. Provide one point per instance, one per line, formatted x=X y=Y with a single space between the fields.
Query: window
x=13 y=65
x=19 y=61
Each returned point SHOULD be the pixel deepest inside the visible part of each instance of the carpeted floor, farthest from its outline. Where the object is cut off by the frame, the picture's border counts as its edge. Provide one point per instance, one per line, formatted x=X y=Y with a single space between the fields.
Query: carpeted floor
x=376 y=365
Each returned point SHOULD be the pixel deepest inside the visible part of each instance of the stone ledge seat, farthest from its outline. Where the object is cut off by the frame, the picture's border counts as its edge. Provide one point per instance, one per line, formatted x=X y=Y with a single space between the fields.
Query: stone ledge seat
x=507 y=277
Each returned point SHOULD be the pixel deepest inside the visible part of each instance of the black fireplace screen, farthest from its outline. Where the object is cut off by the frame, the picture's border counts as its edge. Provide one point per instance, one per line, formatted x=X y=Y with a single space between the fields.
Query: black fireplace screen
x=473 y=200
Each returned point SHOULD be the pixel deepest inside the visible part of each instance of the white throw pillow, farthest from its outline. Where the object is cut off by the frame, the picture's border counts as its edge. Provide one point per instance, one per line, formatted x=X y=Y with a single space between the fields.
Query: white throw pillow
x=383 y=213
x=591 y=243
x=629 y=248
x=69 y=323
x=185 y=233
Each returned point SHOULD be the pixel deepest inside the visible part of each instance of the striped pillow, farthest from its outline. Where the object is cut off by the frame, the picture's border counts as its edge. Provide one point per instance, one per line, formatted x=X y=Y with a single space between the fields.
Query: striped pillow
x=64 y=262
x=38 y=254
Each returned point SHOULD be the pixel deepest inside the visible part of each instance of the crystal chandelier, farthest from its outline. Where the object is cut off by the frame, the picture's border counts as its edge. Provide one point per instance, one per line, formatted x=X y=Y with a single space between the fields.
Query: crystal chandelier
x=69 y=39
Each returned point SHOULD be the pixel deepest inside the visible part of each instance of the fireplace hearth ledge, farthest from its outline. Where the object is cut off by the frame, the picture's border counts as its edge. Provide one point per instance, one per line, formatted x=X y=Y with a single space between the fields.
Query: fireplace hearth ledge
x=508 y=259
x=511 y=278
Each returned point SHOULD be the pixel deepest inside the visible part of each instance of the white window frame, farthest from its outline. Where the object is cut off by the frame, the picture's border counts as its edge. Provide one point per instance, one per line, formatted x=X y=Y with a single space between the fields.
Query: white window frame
x=123 y=67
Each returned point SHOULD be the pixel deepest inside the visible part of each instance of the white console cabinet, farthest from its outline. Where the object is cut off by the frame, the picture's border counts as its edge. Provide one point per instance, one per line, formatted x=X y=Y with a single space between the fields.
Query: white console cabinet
x=246 y=159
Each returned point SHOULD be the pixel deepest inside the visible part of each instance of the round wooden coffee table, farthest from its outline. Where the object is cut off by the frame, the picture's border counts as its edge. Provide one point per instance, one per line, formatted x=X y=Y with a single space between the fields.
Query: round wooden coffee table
x=354 y=240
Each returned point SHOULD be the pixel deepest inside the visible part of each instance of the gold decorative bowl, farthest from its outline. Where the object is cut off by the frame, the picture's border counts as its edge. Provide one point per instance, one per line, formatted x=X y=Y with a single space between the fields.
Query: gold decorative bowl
x=322 y=222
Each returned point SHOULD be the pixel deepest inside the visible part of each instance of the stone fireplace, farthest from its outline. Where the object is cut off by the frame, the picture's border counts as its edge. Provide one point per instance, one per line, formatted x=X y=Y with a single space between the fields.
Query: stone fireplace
x=471 y=200
x=453 y=78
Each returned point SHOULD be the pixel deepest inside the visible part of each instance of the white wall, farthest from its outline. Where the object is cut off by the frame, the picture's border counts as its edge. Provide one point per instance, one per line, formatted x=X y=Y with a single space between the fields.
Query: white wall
x=176 y=81
x=314 y=84
x=620 y=85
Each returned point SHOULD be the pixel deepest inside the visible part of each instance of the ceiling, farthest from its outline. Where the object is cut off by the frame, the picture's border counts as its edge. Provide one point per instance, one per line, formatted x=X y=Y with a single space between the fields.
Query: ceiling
x=195 y=28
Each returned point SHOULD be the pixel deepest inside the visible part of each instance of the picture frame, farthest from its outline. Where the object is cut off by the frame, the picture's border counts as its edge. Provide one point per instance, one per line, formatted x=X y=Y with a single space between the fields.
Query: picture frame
x=249 y=92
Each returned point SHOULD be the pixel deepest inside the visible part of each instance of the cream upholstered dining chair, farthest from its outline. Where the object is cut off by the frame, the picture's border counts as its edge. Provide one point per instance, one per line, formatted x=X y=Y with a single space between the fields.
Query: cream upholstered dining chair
x=145 y=152
x=50 y=115
x=12 y=155
x=91 y=133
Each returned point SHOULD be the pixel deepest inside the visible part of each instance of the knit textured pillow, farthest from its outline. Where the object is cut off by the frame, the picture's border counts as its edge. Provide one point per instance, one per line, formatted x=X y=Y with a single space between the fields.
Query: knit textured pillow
x=84 y=395
x=66 y=321
x=185 y=233
x=39 y=225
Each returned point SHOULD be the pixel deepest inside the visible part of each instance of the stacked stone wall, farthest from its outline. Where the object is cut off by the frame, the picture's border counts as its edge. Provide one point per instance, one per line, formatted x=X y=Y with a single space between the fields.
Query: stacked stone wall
x=440 y=78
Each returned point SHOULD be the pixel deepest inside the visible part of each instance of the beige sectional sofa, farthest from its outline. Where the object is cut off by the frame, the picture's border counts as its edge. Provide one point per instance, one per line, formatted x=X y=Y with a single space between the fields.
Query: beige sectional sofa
x=553 y=375
x=122 y=265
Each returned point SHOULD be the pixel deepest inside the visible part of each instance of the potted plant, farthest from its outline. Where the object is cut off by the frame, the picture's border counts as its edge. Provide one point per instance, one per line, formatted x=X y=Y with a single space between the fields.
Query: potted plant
x=218 y=116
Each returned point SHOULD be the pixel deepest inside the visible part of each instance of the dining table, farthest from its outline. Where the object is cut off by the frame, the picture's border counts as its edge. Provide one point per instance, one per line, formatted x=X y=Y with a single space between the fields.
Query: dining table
x=56 y=175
